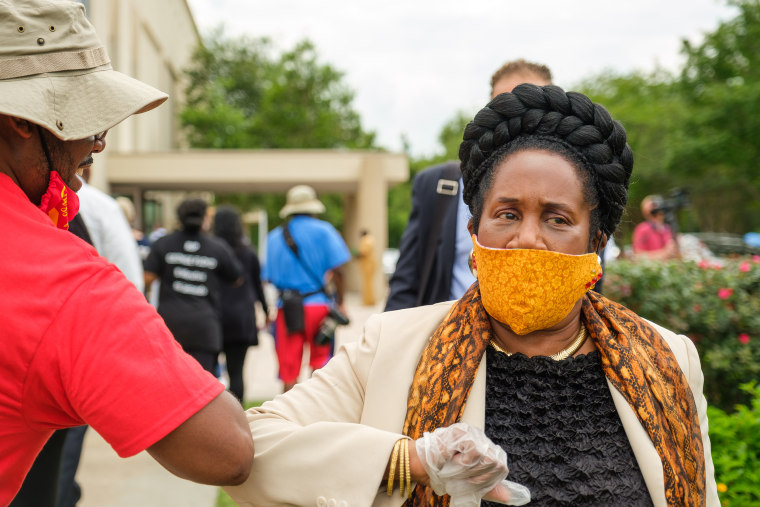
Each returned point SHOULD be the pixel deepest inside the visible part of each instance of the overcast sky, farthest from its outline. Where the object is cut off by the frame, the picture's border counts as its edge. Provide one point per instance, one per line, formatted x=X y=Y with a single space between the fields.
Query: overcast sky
x=414 y=63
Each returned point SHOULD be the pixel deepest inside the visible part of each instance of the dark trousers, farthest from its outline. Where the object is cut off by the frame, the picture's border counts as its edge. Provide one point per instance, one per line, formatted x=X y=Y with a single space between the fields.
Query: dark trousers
x=208 y=360
x=40 y=487
x=69 y=492
x=235 y=357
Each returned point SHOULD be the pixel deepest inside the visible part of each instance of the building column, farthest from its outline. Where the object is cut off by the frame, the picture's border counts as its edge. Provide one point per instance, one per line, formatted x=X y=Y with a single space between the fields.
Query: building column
x=368 y=209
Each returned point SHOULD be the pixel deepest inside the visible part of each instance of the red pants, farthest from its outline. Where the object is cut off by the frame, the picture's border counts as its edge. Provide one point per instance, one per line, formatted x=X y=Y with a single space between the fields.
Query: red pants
x=289 y=347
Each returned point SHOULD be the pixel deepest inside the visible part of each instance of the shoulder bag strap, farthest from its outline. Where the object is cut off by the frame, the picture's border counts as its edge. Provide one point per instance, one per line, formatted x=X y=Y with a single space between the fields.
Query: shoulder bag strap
x=294 y=248
x=447 y=186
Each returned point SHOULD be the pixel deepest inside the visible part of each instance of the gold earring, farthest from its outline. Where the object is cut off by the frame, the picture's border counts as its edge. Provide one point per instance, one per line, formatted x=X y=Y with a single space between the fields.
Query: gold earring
x=471 y=263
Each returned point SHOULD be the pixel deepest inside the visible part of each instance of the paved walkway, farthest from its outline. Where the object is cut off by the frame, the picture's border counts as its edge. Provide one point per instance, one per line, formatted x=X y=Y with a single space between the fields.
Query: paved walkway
x=110 y=481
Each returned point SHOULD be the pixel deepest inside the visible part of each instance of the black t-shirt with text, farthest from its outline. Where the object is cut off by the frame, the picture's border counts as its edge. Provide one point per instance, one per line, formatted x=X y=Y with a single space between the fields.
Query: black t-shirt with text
x=191 y=267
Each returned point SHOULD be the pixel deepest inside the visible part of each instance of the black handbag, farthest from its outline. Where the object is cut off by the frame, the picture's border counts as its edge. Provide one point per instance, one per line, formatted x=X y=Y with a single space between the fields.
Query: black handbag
x=292 y=310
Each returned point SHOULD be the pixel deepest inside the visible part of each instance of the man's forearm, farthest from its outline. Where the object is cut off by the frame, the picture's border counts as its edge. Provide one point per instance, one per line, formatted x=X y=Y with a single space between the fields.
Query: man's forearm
x=337 y=277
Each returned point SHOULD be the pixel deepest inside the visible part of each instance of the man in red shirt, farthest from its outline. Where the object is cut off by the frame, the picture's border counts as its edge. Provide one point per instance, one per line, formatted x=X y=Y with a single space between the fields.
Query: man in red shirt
x=653 y=239
x=80 y=345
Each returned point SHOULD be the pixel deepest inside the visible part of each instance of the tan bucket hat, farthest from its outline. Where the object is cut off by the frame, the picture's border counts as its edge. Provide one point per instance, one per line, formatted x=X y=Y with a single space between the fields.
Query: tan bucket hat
x=302 y=199
x=55 y=72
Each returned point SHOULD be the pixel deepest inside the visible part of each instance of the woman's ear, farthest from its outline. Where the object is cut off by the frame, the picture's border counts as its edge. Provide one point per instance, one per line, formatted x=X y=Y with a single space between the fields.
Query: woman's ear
x=470 y=227
x=599 y=237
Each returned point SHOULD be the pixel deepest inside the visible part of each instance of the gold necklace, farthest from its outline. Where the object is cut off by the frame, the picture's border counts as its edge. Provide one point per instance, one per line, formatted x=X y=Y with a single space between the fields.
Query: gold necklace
x=562 y=354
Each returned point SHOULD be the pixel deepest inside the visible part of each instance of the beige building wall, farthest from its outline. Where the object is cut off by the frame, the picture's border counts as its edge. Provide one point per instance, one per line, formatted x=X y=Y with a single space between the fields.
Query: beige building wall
x=151 y=41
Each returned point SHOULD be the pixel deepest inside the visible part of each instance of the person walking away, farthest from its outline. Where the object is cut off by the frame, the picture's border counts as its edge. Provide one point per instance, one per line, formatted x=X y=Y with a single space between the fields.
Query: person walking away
x=301 y=254
x=191 y=265
x=238 y=310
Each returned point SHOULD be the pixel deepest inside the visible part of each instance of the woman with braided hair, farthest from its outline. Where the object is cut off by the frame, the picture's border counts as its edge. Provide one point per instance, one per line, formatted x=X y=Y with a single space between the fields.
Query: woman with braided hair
x=592 y=404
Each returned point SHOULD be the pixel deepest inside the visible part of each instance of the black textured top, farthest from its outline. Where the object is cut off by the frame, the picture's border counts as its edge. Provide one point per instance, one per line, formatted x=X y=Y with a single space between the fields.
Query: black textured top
x=558 y=425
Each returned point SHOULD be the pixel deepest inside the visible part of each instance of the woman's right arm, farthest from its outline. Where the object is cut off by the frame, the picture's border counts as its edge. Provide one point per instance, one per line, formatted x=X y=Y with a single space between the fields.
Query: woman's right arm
x=309 y=443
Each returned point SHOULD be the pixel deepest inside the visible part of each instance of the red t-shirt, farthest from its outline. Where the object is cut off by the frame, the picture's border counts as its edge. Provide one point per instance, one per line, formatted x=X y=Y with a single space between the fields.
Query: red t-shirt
x=80 y=345
x=647 y=237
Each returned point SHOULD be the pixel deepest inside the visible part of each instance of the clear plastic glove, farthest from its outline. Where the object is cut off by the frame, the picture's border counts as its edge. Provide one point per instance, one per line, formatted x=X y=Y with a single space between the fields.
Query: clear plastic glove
x=461 y=461
x=508 y=493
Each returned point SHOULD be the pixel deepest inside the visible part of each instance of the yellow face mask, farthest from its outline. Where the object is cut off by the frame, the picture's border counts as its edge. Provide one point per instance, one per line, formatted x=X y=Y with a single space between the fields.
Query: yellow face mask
x=530 y=290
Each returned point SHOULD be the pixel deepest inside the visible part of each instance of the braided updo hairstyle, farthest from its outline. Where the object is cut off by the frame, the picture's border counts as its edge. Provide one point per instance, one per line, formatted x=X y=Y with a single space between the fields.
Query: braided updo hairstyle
x=550 y=119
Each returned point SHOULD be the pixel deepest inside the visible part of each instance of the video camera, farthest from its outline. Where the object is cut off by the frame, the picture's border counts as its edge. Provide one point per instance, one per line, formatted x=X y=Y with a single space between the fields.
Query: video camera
x=677 y=198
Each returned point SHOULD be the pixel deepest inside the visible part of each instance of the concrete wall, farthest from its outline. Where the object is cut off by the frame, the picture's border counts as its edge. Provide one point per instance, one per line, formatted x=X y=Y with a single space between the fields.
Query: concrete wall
x=153 y=42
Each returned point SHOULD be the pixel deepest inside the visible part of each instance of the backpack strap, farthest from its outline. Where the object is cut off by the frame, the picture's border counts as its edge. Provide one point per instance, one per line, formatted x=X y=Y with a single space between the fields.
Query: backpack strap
x=447 y=187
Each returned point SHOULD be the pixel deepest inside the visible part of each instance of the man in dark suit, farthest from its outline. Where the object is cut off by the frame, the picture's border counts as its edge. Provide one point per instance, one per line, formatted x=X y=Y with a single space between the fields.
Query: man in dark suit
x=433 y=258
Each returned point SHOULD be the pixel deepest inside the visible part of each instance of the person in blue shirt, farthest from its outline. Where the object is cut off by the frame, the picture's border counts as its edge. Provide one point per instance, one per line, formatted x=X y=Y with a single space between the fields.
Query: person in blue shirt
x=304 y=257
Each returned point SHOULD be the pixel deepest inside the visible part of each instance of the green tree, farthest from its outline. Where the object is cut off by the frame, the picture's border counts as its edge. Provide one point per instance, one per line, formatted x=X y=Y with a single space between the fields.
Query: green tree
x=242 y=93
x=716 y=148
x=651 y=108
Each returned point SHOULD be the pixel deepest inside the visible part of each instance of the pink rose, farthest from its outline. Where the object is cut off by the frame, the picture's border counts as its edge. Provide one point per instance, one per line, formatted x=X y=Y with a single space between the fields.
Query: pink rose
x=756 y=259
x=697 y=308
x=703 y=264
x=725 y=293
x=744 y=338
x=744 y=267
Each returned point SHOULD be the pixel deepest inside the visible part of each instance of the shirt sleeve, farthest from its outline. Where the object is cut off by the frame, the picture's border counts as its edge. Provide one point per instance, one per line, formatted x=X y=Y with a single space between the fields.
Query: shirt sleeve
x=337 y=252
x=229 y=268
x=155 y=260
x=109 y=361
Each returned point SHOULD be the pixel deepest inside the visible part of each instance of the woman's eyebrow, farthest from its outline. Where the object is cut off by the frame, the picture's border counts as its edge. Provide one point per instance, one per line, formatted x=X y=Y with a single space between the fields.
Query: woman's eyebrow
x=559 y=205
x=547 y=204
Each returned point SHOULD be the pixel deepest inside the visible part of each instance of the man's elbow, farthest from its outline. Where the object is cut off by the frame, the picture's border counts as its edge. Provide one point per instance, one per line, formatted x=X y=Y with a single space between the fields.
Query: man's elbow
x=213 y=447
x=238 y=466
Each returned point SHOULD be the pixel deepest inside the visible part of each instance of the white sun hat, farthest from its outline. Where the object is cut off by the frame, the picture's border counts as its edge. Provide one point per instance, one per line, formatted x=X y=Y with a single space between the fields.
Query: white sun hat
x=302 y=199
x=55 y=72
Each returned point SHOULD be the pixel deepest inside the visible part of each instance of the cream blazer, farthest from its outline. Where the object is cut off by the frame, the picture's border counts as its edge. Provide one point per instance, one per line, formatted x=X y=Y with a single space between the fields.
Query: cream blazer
x=327 y=442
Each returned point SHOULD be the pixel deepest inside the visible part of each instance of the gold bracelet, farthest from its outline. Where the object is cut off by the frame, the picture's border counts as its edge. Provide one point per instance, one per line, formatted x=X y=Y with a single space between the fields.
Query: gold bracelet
x=392 y=470
x=401 y=464
x=408 y=470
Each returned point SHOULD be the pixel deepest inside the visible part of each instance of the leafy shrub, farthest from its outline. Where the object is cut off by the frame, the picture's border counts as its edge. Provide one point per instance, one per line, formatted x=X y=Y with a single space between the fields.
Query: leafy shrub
x=736 y=450
x=717 y=306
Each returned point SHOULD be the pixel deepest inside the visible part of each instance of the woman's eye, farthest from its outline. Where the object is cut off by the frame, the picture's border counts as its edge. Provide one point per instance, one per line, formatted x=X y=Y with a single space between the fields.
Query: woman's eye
x=557 y=221
x=507 y=215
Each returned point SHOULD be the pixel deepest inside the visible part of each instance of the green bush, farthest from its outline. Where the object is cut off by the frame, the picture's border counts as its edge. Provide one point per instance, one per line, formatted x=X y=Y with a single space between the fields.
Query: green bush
x=736 y=450
x=717 y=306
